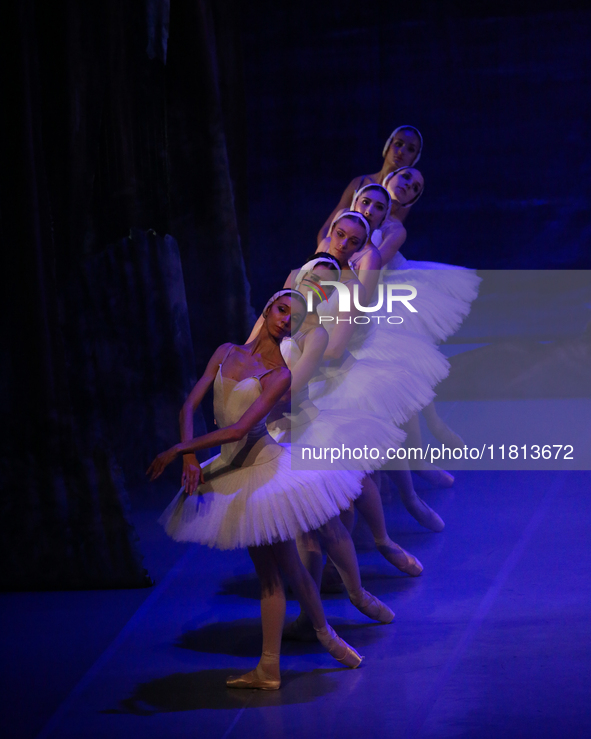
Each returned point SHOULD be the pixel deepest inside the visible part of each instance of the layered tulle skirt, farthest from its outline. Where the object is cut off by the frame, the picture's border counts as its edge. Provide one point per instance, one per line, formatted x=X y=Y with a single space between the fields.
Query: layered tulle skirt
x=391 y=389
x=339 y=439
x=444 y=295
x=258 y=503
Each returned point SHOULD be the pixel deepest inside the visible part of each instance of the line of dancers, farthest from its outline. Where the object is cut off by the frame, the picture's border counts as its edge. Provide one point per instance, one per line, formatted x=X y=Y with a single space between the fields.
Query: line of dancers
x=300 y=381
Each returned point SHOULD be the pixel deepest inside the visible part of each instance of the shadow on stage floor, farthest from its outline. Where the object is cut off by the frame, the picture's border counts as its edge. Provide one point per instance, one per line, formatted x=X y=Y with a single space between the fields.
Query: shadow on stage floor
x=206 y=690
x=494 y=638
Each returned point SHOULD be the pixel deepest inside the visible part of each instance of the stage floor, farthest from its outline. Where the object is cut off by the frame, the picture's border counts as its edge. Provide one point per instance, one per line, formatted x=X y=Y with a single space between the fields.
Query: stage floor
x=493 y=640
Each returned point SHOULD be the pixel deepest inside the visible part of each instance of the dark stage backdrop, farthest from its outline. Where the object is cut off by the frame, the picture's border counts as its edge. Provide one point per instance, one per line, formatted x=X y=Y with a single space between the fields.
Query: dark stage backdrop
x=499 y=90
x=156 y=152
x=126 y=269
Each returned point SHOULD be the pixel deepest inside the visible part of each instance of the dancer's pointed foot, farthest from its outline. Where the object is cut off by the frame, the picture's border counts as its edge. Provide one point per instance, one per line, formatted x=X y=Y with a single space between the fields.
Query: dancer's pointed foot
x=442 y=432
x=399 y=557
x=436 y=476
x=331 y=580
x=422 y=513
x=259 y=678
x=338 y=648
x=300 y=630
x=371 y=606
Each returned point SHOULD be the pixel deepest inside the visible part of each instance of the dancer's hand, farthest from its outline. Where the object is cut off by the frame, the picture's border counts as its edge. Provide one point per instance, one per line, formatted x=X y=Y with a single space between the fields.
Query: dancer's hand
x=192 y=473
x=161 y=462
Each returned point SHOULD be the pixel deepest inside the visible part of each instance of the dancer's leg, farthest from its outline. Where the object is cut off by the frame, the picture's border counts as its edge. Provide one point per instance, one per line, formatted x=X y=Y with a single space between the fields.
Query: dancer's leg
x=416 y=506
x=369 y=504
x=440 y=430
x=412 y=428
x=331 y=580
x=339 y=545
x=305 y=590
x=348 y=518
x=301 y=582
x=310 y=553
x=430 y=472
x=266 y=675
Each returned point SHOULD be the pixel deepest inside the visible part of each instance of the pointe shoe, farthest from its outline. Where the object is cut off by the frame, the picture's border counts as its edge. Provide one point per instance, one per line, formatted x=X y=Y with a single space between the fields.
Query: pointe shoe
x=437 y=477
x=256 y=679
x=400 y=558
x=422 y=513
x=338 y=648
x=372 y=607
x=300 y=630
x=331 y=580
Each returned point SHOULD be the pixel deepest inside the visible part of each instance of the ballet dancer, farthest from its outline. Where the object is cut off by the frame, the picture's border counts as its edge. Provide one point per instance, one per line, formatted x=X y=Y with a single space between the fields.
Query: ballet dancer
x=249 y=495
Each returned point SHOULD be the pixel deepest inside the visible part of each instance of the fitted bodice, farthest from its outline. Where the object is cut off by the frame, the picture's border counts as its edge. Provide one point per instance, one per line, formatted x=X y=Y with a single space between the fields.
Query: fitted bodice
x=231 y=400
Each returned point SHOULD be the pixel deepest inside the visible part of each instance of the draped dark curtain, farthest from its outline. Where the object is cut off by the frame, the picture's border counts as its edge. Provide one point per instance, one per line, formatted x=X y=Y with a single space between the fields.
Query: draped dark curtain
x=205 y=125
x=121 y=225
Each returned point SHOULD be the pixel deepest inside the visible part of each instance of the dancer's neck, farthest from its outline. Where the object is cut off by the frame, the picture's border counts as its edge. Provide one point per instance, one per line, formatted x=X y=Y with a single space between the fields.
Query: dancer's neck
x=265 y=347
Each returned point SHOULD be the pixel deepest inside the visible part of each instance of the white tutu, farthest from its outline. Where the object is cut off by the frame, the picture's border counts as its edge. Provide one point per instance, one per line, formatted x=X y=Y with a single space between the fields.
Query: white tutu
x=361 y=438
x=251 y=495
x=388 y=372
x=395 y=346
x=444 y=294
x=373 y=387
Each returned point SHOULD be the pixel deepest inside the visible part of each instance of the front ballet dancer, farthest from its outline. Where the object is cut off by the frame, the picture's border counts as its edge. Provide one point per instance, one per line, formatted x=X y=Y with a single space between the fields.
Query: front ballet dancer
x=249 y=495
